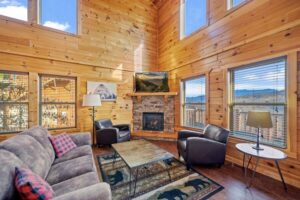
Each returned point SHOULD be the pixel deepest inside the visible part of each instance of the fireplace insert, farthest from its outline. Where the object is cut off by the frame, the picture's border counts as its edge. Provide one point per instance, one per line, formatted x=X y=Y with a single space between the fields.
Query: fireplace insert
x=153 y=121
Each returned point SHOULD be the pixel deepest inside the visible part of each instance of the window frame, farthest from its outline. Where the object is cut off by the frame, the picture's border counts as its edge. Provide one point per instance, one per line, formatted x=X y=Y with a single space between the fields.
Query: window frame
x=33 y=19
x=41 y=103
x=17 y=103
x=39 y=15
x=28 y=21
x=182 y=101
x=231 y=7
x=230 y=96
x=182 y=24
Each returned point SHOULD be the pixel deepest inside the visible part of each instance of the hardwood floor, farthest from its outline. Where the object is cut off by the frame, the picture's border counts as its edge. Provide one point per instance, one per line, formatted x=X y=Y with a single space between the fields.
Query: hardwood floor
x=232 y=178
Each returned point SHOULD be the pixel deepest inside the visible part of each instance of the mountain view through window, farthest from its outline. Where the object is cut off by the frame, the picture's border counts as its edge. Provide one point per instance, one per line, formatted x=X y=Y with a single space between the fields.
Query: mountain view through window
x=260 y=87
x=194 y=105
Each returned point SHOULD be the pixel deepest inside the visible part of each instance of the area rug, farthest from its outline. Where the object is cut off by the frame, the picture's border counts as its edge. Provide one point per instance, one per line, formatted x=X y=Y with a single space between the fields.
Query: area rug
x=154 y=182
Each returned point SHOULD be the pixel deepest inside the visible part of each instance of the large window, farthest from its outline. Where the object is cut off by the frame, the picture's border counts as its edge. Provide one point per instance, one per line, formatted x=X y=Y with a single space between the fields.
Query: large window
x=57 y=102
x=234 y=3
x=14 y=8
x=13 y=102
x=260 y=86
x=59 y=14
x=194 y=102
x=193 y=16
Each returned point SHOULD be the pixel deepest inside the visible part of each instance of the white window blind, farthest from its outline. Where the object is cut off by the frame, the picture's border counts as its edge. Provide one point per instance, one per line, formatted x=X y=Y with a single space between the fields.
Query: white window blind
x=194 y=102
x=13 y=102
x=57 y=102
x=260 y=86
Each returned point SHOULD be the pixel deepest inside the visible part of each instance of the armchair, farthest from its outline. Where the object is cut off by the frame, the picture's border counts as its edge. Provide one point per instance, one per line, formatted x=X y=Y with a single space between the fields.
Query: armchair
x=207 y=148
x=107 y=133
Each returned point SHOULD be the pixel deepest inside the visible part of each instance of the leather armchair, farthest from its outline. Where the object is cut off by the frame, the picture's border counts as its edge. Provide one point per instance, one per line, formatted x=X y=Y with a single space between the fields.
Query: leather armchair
x=207 y=148
x=107 y=133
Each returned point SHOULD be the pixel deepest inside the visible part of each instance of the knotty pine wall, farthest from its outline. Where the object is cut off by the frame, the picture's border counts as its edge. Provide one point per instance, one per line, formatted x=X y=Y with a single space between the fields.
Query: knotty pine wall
x=257 y=30
x=116 y=38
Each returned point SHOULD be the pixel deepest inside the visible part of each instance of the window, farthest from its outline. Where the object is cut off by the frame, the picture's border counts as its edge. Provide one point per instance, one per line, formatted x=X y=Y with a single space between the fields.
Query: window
x=13 y=102
x=193 y=16
x=58 y=14
x=260 y=86
x=234 y=3
x=57 y=102
x=14 y=8
x=194 y=102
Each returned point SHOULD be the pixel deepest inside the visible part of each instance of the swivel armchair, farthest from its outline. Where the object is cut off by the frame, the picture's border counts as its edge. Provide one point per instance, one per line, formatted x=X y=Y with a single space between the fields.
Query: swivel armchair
x=107 y=133
x=207 y=148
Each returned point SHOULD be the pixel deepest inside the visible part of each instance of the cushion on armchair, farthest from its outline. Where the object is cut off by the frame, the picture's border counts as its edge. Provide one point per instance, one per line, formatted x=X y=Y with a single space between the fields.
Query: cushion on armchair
x=216 y=133
x=104 y=123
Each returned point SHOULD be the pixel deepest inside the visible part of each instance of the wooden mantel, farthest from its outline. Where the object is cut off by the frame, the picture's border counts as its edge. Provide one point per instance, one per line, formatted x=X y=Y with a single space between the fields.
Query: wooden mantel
x=139 y=95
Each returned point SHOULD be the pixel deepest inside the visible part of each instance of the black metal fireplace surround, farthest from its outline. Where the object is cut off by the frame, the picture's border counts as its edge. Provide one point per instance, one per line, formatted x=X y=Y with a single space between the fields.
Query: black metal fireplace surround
x=153 y=121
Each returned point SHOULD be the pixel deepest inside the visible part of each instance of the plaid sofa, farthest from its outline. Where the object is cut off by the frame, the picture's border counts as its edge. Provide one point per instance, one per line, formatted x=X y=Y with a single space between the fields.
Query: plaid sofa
x=72 y=176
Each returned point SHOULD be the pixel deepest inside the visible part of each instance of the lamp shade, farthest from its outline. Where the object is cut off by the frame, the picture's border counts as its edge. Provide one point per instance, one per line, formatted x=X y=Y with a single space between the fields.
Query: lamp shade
x=91 y=100
x=259 y=119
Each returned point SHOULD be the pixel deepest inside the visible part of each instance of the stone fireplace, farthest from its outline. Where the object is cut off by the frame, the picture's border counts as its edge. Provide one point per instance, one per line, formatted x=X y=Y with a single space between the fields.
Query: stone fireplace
x=153 y=113
x=153 y=121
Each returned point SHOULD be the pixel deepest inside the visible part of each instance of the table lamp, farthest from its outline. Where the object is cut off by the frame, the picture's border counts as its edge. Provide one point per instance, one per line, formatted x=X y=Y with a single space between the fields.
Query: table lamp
x=259 y=120
x=92 y=100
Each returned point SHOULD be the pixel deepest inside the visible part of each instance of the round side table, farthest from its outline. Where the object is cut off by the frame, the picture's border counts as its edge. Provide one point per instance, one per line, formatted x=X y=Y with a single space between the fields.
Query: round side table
x=268 y=153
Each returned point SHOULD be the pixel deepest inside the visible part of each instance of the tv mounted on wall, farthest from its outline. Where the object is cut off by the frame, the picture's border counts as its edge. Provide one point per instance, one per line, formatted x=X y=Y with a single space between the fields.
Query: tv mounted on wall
x=151 y=82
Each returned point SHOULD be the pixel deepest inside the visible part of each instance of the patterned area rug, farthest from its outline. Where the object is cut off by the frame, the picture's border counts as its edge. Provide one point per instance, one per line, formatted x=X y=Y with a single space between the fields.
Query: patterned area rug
x=154 y=181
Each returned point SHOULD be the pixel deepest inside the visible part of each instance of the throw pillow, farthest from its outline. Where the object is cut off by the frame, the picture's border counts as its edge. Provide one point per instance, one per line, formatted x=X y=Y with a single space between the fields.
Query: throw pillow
x=62 y=144
x=31 y=186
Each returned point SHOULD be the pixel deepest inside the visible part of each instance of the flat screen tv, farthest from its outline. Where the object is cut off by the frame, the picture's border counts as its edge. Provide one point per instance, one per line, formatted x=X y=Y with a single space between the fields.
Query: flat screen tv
x=151 y=82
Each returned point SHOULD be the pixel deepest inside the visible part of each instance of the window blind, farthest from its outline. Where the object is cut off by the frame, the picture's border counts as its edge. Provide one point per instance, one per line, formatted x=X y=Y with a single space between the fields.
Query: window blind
x=194 y=102
x=13 y=102
x=260 y=86
x=57 y=102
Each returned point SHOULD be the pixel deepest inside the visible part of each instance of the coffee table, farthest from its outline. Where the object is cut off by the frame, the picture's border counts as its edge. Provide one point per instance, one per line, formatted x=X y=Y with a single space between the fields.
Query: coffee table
x=140 y=153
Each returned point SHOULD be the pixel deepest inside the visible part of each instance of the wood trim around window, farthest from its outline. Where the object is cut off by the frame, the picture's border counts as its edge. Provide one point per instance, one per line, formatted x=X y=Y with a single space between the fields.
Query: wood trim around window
x=182 y=95
x=181 y=26
x=291 y=88
x=33 y=12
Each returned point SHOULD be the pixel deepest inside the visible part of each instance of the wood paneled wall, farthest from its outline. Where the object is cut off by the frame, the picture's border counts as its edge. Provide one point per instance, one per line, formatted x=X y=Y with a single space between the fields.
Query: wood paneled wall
x=256 y=30
x=118 y=37
x=115 y=39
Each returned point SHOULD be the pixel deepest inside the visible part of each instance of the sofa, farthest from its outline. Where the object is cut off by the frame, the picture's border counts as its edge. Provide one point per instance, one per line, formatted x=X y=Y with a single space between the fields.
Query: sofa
x=207 y=148
x=72 y=176
x=107 y=133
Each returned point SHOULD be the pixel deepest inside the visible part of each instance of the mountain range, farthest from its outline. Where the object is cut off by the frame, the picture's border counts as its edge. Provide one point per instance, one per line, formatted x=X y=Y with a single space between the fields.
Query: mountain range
x=240 y=93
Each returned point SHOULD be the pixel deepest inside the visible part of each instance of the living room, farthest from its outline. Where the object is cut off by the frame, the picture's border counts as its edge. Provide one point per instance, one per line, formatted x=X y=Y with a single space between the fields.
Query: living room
x=149 y=99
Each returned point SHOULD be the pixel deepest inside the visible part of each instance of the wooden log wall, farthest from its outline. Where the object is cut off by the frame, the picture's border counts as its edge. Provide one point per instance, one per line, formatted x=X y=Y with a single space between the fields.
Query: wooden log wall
x=254 y=31
x=116 y=38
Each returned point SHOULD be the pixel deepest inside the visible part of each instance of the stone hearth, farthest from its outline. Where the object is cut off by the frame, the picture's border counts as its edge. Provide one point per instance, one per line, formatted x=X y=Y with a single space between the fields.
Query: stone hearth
x=153 y=104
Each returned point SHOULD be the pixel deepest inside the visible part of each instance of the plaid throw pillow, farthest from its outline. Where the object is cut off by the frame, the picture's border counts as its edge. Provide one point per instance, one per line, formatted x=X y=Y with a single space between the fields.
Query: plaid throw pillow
x=62 y=144
x=31 y=186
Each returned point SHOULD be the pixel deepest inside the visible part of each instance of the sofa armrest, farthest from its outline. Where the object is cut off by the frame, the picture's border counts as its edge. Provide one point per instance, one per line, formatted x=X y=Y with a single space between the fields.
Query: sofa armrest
x=184 y=134
x=99 y=191
x=205 y=150
x=81 y=139
x=122 y=127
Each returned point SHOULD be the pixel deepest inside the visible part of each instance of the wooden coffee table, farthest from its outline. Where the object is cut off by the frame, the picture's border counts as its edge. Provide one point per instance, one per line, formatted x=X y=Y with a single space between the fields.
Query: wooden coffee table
x=140 y=153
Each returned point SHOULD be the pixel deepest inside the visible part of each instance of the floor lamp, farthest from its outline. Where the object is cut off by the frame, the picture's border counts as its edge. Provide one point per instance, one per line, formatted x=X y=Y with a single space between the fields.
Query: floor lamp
x=259 y=120
x=92 y=100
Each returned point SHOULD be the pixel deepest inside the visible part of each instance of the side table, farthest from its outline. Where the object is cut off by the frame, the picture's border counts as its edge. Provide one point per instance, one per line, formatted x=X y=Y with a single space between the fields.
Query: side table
x=268 y=153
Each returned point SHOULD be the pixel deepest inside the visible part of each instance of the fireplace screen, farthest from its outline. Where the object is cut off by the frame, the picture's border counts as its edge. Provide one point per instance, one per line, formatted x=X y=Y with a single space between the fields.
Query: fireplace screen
x=153 y=121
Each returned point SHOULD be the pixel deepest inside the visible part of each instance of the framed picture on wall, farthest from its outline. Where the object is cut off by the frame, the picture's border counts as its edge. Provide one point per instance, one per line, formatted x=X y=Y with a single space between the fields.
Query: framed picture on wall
x=107 y=91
